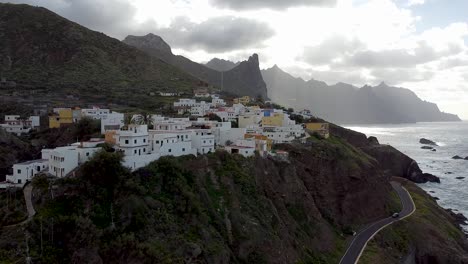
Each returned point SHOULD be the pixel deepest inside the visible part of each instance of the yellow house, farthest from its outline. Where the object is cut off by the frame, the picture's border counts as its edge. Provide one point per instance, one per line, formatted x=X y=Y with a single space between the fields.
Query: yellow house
x=248 y=120
x=262 y=143
x=242 y=100
x=275 y=120
x=322 y=129
x=64 y=117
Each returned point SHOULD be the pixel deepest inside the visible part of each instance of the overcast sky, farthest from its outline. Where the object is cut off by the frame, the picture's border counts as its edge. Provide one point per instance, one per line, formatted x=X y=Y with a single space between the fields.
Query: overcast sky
x=417 y=44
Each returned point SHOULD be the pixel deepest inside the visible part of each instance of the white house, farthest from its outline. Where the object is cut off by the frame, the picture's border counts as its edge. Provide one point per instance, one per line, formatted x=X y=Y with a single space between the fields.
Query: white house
x=203 y=141
x=62 y=161
x=245 y=148
x=284 y=134
x=95 y=113
x=133 y=142
x=24 y=172
x=171 y=143
x=15 y=125
x=114 y=121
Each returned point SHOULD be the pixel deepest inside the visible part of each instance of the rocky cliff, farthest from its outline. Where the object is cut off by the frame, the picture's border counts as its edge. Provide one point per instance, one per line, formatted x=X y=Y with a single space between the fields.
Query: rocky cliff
x=391 y=161
x=219 y=208
x=346 y=104
x=244 y=79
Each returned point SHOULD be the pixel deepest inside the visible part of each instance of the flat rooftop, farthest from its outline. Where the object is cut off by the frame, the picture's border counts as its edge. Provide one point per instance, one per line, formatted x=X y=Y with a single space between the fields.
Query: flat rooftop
x=32 y=161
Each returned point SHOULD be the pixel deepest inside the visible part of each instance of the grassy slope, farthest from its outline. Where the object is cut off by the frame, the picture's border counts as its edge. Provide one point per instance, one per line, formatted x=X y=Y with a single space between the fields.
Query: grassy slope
x=429 y=230
x=58 y=57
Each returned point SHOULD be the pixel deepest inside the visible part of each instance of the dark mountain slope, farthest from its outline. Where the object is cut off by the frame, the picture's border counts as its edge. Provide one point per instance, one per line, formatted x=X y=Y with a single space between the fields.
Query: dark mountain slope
x=244 y=79
x=41 y=49
x=344 y=103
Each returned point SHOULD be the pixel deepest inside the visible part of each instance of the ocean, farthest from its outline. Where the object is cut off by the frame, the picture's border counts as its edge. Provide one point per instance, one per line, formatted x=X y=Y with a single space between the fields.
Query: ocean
x=452 y=139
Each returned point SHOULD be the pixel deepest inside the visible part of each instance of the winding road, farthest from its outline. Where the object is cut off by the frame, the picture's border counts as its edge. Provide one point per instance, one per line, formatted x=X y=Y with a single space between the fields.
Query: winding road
x=359 y=243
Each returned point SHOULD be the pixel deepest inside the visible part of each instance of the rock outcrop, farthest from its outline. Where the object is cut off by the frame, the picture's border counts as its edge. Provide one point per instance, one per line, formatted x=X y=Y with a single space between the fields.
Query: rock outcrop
x=426 y=141
x=243 y=79
x=456 y=157
x=427 y=147
x=392 y=161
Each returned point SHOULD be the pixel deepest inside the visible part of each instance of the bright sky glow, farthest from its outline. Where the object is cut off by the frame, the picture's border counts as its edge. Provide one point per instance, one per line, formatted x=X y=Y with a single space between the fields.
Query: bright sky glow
x=417 y=44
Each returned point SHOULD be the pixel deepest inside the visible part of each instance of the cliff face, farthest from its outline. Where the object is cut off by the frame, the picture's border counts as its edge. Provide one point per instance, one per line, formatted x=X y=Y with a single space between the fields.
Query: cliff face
x=45 y=50
x=346 y=104
x=211 y=209
x=243 y=79
x=391 y=161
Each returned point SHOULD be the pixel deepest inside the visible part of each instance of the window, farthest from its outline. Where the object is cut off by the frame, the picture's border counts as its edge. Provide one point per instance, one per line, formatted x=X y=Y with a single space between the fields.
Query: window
x=135 y=151
x=204 y=141
x=19 y=180
x=183 y=149
x=19 y=171
x=87 y=154
x=126 y=141
x=157 y=141
x=135 y=141
x=170 y=150
x=144 y=140
x=144 y=149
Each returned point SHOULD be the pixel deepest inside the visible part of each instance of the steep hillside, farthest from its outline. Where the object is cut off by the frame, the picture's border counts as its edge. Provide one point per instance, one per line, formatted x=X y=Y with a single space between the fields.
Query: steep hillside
x=244 y=79
x=420 y=238
x=221 y=65
x=345 y=104
x=40 y=49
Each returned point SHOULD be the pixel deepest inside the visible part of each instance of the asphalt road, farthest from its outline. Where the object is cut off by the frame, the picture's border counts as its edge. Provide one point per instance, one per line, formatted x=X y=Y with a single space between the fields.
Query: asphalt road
x=357 y=246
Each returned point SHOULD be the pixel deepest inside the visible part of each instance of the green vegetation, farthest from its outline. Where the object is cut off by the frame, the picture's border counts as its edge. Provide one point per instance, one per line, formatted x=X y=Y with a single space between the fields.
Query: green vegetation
x=12 y=207
x=81 y=63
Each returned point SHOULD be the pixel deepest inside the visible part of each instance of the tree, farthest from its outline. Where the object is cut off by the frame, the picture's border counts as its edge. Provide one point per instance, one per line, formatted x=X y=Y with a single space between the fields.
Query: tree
x=214 y=117
x=86 y=127
x=105 y=170
x=145 y=118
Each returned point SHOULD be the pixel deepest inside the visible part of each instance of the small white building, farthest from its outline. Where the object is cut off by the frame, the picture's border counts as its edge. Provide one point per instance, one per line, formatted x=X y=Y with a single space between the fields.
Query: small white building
x=203 y=141
x=245 y=148
x=171 y=143
x=114 y=121
x=95 y=113
x=24 y=172
x=133 y=142
x=284 y=134
x=62 y=161
x=15 y=125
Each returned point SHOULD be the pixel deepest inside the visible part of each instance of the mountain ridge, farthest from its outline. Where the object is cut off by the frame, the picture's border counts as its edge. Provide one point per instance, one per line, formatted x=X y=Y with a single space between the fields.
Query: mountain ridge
x=221 y=65
x=347 y=104
x=46 y=50
x=244 y=79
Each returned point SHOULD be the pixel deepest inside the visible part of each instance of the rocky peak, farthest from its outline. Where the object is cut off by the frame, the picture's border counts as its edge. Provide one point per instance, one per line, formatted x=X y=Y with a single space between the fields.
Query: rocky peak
x=150 y=41
x=254 y=60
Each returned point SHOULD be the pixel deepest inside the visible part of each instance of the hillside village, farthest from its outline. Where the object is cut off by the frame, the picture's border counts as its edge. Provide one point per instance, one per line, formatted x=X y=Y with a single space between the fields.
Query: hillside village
x=203 y=124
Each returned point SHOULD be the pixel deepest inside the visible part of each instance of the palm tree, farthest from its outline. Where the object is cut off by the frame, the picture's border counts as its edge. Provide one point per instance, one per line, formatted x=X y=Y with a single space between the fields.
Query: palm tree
x=145 y=118
x=128 y=120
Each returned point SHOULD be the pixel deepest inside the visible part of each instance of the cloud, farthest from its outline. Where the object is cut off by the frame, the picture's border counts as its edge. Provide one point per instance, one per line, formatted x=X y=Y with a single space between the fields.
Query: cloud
x=399 y=76
x=394 y=58
x=332 y=48
x=114 y=17
x=270 y=4
x=415 y=2
x=218 y=34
